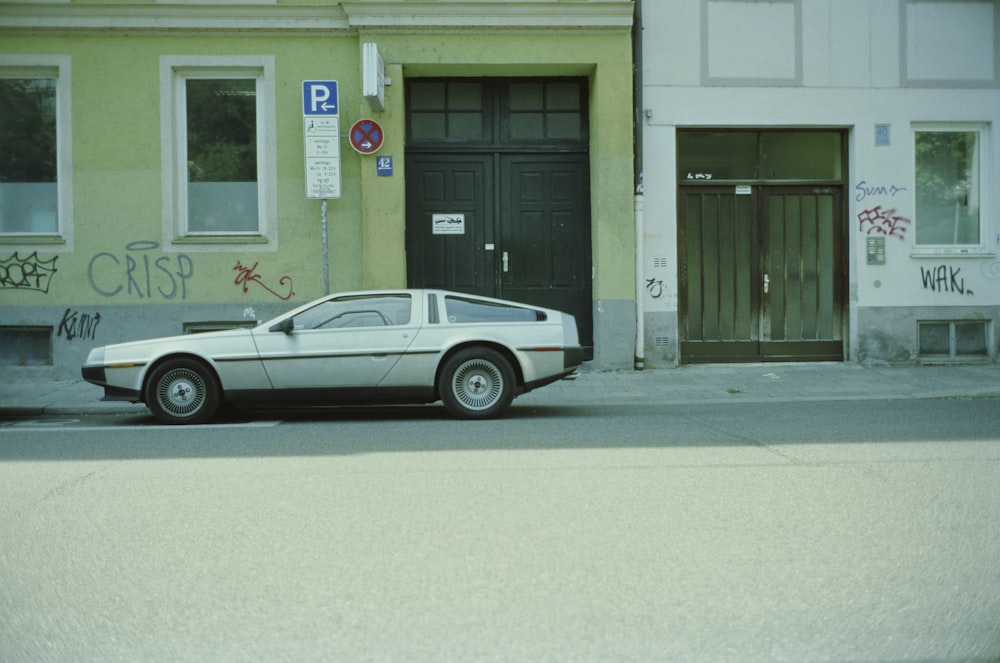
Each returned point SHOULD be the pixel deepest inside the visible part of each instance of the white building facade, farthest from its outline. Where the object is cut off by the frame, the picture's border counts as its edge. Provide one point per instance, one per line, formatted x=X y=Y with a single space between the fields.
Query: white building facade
x=817 y=181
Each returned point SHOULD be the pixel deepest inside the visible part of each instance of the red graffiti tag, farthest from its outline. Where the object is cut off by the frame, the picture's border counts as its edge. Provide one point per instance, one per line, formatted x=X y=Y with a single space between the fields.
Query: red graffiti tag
x=247 y=275
x=883 y=222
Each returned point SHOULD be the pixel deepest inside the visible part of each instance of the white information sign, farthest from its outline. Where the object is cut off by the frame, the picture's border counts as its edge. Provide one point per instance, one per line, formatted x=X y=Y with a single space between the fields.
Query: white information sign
x=321 y=136
x=322 y=144
x=448 y=224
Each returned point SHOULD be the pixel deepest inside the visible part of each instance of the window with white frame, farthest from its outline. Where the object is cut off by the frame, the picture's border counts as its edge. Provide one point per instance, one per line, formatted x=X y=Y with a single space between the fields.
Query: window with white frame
x=219 y=144
x=950 y=169
x=35 y=183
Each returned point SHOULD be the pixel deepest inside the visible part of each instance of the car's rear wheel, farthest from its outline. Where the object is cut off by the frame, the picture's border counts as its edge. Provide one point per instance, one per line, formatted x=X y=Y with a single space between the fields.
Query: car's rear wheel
x=182 y=391
x=476 y=383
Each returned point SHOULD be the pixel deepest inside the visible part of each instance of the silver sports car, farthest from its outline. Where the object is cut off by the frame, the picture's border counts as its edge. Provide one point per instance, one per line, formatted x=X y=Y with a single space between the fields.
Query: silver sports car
x=401 y=346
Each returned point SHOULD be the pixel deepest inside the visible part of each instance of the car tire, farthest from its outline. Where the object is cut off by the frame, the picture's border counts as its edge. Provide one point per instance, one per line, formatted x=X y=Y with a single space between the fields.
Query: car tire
x=182 y=391
x=476 y=383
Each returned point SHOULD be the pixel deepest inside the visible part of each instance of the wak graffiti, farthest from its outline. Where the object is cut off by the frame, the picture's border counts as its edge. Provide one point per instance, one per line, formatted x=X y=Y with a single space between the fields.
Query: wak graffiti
x=944 y=278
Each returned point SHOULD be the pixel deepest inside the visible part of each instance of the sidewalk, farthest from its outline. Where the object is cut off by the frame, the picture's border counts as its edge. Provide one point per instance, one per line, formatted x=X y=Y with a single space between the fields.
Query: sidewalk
x=718 y=383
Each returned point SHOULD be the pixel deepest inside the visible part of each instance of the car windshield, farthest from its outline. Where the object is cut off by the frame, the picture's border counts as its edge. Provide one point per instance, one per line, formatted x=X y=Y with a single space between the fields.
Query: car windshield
x=357 y=311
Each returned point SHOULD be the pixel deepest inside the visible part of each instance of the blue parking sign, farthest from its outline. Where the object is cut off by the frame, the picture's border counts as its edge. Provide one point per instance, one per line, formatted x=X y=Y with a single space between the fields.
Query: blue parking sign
x=319 y=98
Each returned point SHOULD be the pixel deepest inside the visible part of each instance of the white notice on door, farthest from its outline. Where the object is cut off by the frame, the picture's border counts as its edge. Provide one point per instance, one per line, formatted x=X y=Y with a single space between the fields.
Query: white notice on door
x=448 y=224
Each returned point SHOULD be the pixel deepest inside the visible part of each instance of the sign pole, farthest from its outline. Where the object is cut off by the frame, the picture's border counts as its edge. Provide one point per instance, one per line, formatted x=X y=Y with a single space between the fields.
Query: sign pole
x=321 y=136
x=326 y=253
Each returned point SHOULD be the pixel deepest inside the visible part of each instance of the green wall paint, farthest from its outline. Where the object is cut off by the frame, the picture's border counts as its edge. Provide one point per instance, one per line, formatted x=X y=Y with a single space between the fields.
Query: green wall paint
x=118 y=256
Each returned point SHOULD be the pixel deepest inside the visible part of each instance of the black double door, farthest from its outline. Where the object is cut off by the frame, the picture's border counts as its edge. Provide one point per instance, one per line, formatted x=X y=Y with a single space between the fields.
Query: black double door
x=509 y=225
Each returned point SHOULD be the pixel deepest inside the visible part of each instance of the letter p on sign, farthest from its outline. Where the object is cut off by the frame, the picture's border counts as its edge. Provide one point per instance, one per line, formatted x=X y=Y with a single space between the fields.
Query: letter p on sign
x=319 y=98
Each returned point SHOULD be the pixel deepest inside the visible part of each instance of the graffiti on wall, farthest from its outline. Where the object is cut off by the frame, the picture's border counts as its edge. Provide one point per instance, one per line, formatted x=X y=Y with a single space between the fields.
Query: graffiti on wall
x=991 y=270
x=944 y=278
x=248 y=275
x=877 y=221
x=78 y=325
x=864 y=190
x=29 y=273
x=139 y=271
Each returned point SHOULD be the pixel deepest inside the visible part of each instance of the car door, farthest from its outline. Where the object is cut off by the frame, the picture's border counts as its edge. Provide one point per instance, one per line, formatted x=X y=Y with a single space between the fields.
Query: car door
x=342 y=342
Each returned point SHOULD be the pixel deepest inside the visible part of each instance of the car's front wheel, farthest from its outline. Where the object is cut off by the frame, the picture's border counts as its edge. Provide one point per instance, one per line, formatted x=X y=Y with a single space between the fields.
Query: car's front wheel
x=476 y=383
x=182 y=391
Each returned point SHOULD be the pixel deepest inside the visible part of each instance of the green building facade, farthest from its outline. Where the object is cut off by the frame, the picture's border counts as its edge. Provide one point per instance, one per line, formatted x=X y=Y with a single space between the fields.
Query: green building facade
x=159 y=173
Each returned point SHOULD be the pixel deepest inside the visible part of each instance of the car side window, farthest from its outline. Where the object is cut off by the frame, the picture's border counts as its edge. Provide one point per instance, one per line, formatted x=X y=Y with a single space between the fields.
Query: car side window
x=460 y=309
x=357 y=312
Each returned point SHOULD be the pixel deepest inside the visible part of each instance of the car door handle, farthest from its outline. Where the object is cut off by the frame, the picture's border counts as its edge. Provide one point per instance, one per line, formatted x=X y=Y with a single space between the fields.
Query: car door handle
x=506 y=262
x=767 y=283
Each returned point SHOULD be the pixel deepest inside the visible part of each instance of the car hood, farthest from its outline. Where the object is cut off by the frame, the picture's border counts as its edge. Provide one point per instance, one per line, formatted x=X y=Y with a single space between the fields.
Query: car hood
x=204 y=342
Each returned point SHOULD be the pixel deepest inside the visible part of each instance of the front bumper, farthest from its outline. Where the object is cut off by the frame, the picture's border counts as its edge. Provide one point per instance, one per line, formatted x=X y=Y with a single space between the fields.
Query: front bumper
x=96 y=374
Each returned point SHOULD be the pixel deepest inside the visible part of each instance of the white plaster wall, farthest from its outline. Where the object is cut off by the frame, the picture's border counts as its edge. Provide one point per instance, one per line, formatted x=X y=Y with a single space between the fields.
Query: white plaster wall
x=851 y=64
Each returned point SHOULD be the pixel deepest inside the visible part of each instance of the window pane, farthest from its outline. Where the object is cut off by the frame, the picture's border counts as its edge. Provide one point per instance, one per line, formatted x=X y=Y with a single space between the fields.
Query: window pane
x=935 y=338
x=222 y=207
x=947 y=180
x=801 y=155
x=222 y=155
x=465 y=126
x=465 y=97
x=527 y=126
x=562 y=96
x=970 y=338
x=352 y=312
x=28 y=189
x=706 y=156
x=427 y=126
x=467 y=310
x=427 y=96
x=545 y=110
x=526 y=97
x=563 y=125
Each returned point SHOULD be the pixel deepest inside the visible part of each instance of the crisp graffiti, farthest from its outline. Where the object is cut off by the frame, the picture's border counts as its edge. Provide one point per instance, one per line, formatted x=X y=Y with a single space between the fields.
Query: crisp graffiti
x=29 y=273
x=944 y=278
x=140 y=272
x=248 y=275
x=75 y=324
x=865 y=190
x=877 y=221
x=655 y=288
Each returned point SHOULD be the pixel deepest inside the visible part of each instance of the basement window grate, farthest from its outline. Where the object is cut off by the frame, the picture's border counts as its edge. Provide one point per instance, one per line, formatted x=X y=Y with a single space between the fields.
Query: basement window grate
x=26 y=346
x=953 y=339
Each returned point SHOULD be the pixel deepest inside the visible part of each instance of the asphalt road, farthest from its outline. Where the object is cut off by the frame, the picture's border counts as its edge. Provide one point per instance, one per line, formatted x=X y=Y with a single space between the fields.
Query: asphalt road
x=864 y=530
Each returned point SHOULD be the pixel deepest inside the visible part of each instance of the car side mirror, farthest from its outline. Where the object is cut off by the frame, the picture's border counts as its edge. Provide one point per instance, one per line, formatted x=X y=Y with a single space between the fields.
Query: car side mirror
x=286 y=326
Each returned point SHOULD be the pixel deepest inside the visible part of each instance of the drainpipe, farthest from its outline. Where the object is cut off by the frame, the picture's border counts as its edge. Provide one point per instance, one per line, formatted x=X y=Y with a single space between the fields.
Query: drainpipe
x=640 y=313
x=637 y=123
